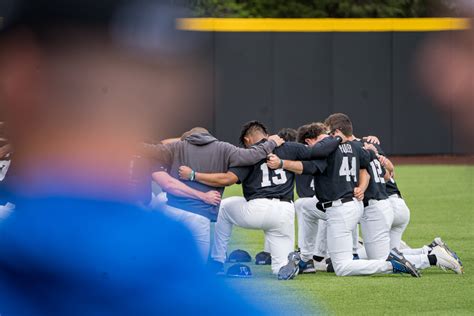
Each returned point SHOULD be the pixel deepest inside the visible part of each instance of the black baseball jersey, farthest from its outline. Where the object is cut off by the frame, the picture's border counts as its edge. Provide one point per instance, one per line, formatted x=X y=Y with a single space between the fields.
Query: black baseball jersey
x=304 y=185
x=376 y=189
x=259 y=181
x=392 y=188
x=341 y=175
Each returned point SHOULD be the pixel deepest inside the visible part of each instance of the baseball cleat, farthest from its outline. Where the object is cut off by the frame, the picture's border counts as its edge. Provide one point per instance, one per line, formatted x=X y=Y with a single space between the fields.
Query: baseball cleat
x=445 y=261
x=439 y=242
x=291 y=269
x=402 y=265
x=307 y=266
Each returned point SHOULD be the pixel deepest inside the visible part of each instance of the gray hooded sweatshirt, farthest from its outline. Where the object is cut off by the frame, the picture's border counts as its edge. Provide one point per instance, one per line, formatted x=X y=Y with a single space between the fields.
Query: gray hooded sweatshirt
x=204 y=153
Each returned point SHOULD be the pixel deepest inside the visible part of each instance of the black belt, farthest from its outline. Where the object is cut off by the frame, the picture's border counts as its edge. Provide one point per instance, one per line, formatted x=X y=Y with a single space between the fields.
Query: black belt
x=366 y=202
x=283 y=199
x=323 y=206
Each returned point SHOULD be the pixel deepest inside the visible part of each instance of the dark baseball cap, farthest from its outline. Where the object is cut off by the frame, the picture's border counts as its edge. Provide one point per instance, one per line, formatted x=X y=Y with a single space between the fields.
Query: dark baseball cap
x=239 y=255
x=263 y=258
x=239 y=270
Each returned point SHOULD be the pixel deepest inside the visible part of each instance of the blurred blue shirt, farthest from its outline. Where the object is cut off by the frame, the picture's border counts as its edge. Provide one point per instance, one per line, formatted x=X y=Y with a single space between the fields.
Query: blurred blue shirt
x=63 y=256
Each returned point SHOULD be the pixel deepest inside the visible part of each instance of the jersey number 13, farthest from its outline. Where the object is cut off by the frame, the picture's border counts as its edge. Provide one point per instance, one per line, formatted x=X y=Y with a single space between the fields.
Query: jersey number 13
x=279 y=178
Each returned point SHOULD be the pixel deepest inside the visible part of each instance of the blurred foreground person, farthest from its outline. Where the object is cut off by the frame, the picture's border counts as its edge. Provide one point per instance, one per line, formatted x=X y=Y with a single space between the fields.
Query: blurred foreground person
x=6 y=206
x=79 y=80
x=446 y=70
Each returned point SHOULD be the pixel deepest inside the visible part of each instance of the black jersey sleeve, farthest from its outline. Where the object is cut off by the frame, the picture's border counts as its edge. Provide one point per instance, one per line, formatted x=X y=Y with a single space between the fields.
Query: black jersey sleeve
x=324 y=147
x=294 y=151
x=321 y=150
x=314 y=167
x=241 y=172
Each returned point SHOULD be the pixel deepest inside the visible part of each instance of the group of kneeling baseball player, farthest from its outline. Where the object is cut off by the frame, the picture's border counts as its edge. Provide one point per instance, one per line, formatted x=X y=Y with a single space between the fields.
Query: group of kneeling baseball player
x=341 y=181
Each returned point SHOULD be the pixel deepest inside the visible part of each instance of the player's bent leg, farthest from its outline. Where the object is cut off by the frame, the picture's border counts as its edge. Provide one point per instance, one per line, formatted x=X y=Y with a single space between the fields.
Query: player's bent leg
x=321 y=239
x=362 y=253
x=299 y=217
x=310 y=223
x=376 y=223
x=224 y=225
x=199 y=226
x=401 y=218
x=280 y=234
x=419 y=261
x=355 y=241
x=437 y=254
x=416 y=251
x=341 y=223
x=266 y=246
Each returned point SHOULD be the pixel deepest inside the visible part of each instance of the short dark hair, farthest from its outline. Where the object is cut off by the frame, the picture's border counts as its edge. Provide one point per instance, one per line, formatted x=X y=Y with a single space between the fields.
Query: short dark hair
x=341 y=122
x=312 y=130
x=288 y=134
x=252 y=127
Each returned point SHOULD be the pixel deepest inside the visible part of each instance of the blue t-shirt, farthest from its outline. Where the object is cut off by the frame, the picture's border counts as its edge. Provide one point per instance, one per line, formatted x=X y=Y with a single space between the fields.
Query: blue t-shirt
x=63 y=256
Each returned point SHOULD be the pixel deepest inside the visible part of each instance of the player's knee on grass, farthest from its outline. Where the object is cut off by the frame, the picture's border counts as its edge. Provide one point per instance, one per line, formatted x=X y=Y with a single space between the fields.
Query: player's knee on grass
x=341 y=268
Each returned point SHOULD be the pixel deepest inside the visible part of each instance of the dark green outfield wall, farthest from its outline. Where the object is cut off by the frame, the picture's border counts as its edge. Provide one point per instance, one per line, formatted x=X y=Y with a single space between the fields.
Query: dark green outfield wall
x=288 y=79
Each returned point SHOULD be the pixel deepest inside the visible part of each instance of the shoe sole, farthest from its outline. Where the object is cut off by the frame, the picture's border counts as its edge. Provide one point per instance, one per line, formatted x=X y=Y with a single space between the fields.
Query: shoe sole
x=452 y=262
x=401 y=259
x=283 y=274
x=310 y=270
x=413 y=271
x=453 y=254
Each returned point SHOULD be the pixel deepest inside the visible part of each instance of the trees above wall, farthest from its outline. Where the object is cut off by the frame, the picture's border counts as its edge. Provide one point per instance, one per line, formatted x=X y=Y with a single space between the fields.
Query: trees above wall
x=323 y=8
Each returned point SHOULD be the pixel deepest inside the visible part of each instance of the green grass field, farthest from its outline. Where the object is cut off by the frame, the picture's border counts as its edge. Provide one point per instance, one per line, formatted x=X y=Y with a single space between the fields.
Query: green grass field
x=441 y=200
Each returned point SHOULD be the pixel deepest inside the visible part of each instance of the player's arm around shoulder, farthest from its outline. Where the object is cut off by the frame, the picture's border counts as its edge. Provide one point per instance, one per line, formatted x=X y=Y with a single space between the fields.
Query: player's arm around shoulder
x=222 y=179
x=238 y=157
x=178 y=188
x=275 y=162
x=388 y=165
x=323 y=148
x=159 y=152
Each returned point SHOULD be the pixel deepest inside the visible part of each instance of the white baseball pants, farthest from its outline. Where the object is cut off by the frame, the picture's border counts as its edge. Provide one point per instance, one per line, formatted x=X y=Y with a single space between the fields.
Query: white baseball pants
x=311 y=228
x=376 y=223
x=274 y=217
x=401 y=218
x=342 y=220
x=199 y=226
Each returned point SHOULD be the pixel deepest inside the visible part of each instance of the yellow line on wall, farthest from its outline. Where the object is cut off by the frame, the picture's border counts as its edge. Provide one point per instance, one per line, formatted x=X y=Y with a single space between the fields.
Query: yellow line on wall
x=323 y=25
